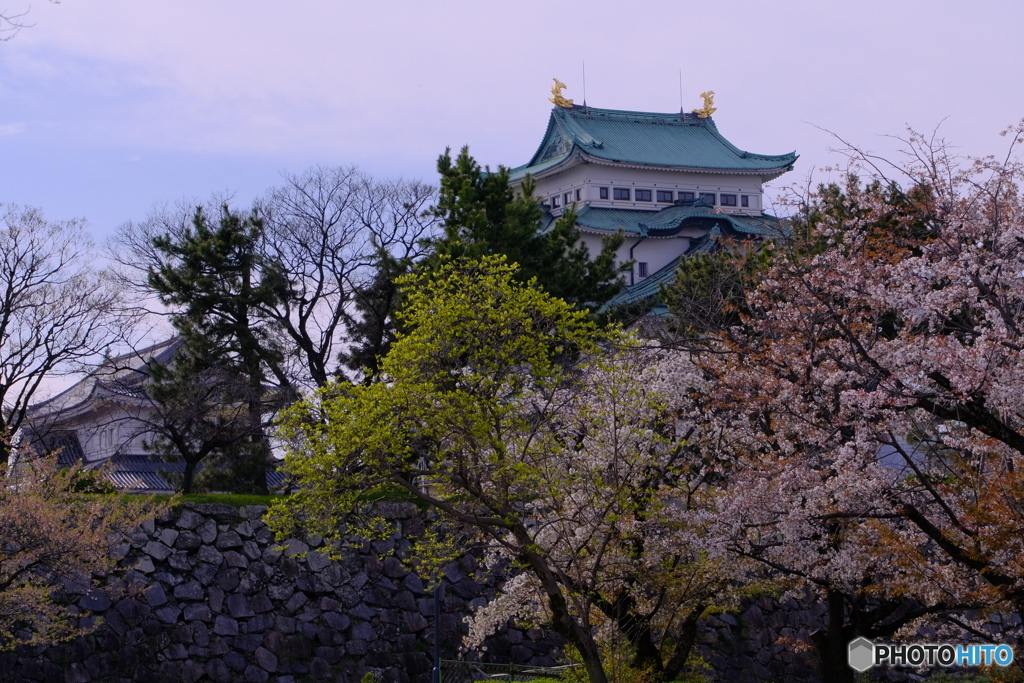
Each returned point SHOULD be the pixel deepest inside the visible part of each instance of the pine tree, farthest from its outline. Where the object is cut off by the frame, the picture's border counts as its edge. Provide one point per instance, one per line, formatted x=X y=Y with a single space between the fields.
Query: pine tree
x=375 y=328
x=484 y=215
x=215 y=279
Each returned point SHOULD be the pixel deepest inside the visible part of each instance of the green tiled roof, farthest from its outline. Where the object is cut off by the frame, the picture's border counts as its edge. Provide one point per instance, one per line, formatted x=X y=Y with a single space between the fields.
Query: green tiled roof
x=671 y=219
x=649 y=288
x=673 y=140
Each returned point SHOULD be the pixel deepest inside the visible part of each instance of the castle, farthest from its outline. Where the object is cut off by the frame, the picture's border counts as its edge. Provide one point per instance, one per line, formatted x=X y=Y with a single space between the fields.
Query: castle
x=670 y=182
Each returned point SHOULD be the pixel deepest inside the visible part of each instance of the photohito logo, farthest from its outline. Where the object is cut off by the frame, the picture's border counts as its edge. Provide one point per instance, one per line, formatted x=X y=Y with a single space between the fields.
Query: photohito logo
x=864 y=654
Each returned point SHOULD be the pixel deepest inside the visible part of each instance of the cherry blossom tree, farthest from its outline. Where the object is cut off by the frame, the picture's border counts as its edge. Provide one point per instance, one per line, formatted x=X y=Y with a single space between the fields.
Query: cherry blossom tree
x=872 y=389
x=53 y=534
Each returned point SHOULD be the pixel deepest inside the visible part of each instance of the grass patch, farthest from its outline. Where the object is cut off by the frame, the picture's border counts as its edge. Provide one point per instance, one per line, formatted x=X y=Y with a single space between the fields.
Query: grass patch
x=236 y=499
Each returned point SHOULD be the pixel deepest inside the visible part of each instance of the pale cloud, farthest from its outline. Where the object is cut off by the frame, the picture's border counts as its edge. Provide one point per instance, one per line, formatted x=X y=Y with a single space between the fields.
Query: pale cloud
x=11 y=128
x=390 y=84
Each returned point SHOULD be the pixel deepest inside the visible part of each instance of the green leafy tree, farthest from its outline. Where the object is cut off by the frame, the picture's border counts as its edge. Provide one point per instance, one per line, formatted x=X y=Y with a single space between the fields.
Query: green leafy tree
x=215 y=279
x=500 y=410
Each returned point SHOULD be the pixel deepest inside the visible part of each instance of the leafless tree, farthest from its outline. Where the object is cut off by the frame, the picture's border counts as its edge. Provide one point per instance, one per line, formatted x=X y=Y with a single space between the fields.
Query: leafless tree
x=11 y=23
x=56 y=310
x=325 y=229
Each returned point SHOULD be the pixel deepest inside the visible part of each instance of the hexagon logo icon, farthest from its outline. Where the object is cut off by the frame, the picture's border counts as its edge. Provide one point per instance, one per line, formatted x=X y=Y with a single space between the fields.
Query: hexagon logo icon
x=861 y=654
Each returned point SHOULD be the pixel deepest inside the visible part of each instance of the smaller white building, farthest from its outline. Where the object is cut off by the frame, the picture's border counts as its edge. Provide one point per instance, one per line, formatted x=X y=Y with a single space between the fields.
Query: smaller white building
x=105 y=419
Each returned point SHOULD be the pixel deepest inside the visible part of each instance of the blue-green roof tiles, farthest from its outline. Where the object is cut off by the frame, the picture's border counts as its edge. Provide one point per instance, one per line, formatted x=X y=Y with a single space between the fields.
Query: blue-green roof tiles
x=663 y=140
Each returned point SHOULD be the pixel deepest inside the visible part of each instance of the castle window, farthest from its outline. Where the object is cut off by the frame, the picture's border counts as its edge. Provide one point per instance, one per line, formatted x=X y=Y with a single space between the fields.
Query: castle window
x=621 y=193
x=744 y=200
x=642 y=268
x=577 y=195
x=643 y=195
x=728 y=200
x=664 y=196
x=708 y=195
x=565 y=198
x=688 y=196
x=554 y=202
x=604 y=192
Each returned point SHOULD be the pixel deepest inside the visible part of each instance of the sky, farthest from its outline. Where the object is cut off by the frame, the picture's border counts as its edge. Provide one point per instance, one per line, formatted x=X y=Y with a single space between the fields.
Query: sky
x=109 y=108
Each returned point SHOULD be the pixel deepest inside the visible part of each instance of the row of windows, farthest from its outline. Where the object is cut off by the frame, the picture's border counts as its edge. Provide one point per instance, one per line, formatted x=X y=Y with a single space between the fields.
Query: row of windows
x=663 y=196
x=566 y=197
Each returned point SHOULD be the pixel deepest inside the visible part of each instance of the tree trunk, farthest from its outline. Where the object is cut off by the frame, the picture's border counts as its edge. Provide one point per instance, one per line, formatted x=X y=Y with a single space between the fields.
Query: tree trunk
x=832 y=646
x=188 y=477
x=687 y=637
x=562 y=620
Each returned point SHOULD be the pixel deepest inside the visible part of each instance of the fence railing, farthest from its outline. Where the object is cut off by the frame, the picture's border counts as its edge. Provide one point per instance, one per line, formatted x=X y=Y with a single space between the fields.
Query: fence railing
x=454 y=671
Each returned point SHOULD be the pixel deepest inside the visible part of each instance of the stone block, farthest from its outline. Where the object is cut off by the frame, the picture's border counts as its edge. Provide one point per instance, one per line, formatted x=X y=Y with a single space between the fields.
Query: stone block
x=284 y=624
x=207 y=531
x=295 y=602
x=133 y=611
x=393 y=568
x=280 y=592
x=266 y=659
x=219 y=512
x=145 y=564
x=261 y=571
x=260 y=603
x=362 y=611
x=198 y=612
x=318 y=560
x=228 y=579
x=95 y=601
x=238 y=606
x=168 y=614
x=254 y=674
x=298 y=647
x=247 y=642
x=205 y=573
x=168 y=536
x=250 y=584
x=362 y=630
x=336 y=621
x=253 y=512
x=251 y=550
x=294 y=546
x=228 y=539
x=272 y=553
x=225 y=626
x=180 y=561
x=414 y=622
x=404 y=601
x=319 y=668
x=168 y=578
x=188 y=540
x=215 y=599
x=157 y=551
x=210 y=555
x=259 y=623
x=191 y=590
x=233 y=559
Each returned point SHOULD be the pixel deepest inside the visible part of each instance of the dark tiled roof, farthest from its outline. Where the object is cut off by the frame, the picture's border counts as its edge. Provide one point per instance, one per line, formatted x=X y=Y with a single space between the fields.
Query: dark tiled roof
x=140 y=472
x=64 y=443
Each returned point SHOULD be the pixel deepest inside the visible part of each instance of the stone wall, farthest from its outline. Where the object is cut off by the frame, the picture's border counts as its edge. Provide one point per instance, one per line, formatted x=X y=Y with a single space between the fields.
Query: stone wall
x=210 y=596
